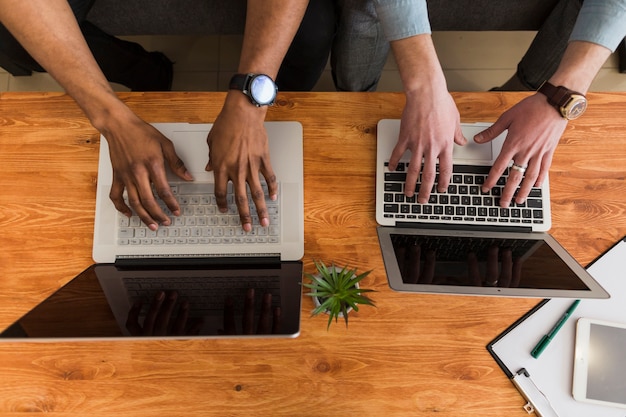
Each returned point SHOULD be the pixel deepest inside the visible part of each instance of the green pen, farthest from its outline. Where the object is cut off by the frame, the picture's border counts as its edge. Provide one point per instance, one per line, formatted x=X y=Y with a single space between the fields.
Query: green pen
x=545 y=340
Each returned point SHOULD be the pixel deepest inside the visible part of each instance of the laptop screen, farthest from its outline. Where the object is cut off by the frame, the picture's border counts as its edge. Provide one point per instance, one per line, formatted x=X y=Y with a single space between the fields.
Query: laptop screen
x=106 y=301
x=487 y=263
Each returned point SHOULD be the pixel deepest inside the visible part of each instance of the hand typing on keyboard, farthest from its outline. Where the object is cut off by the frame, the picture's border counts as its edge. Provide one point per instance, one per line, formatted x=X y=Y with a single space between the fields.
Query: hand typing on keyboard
x=534 y=130
x=238 y=152
x=199 y=221
x=463 y=200
x=138 y=156
x=429 y=128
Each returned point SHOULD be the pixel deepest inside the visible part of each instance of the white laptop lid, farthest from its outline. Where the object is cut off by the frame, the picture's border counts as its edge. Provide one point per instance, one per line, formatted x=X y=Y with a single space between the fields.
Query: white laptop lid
x=469 y=154
x=285 y=143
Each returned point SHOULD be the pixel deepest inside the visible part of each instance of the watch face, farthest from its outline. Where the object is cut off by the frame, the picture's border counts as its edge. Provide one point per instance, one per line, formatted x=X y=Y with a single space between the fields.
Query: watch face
x=263 y=89
x=575 y=107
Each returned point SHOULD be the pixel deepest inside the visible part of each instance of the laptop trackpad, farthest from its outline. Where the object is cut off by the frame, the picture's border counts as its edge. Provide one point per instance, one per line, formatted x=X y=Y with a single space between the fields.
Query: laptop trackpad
x=473 y=151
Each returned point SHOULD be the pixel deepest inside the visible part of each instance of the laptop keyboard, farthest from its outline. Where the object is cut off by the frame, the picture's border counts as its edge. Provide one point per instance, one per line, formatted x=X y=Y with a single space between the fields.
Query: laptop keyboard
x=201 y=222
x=463 y=202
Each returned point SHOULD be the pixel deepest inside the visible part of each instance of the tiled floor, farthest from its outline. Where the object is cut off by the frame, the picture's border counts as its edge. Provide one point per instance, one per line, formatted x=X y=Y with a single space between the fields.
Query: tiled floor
x=472 y=61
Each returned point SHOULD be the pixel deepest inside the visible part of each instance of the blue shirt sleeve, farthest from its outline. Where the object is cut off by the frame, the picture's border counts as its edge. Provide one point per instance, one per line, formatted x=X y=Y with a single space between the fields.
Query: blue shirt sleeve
x=402 y=18
x=602 y=22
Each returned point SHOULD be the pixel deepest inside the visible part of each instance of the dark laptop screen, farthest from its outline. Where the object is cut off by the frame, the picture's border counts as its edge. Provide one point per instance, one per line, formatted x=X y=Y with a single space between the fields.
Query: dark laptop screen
x=482 y=262
x=106 y=301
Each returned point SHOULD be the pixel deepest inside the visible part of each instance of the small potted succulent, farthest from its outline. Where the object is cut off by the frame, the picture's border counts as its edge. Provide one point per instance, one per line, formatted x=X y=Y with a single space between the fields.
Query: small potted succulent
x=336 y=291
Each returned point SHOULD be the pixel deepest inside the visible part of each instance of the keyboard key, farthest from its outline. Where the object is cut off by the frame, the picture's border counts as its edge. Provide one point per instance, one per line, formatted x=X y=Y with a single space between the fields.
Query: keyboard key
x=125 y=233
x=393 y=187
x=391 y=208
x=395 y=177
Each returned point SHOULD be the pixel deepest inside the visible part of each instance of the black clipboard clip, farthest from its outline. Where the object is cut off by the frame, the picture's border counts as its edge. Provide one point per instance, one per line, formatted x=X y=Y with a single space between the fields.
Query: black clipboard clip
x=537 y=402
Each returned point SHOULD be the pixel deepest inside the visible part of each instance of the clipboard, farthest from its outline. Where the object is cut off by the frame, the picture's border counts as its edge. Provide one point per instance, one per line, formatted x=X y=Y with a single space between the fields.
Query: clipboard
x=546 y=382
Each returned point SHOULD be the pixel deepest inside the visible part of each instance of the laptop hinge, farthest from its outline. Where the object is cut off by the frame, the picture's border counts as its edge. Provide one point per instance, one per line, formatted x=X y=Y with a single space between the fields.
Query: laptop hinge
x=468 y=227
x=186 y=262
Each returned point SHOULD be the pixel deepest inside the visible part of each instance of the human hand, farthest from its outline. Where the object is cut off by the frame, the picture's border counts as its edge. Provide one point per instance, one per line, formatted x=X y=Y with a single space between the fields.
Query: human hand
x=138 y=155
x=269 y=319
x=534 y=130
x=429 y=128
x=238 y=152
x=157 y=320
x=507 y=273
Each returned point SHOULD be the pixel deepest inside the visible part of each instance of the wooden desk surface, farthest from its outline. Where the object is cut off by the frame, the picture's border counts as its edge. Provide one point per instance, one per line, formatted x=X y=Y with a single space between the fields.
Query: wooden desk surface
x=412 y=355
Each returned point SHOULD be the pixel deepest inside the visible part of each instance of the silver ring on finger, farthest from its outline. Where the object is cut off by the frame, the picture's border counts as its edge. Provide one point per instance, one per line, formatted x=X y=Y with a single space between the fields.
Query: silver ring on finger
x=520 y=168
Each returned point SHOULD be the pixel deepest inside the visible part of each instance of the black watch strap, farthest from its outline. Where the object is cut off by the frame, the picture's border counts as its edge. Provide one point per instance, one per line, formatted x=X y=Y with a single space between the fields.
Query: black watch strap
x=238 y=82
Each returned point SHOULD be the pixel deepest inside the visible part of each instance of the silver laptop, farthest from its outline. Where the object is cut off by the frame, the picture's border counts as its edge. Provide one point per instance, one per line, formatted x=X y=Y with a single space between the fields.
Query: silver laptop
x=201 y=231
x=233 y=284
x=462 y=242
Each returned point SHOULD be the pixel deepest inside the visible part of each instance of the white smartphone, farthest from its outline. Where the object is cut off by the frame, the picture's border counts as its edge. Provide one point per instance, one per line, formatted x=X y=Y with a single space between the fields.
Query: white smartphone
x=600 y=363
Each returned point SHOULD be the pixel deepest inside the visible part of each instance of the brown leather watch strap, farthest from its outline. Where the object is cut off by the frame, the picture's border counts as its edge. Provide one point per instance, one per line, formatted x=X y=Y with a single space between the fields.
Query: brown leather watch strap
x=557 y=96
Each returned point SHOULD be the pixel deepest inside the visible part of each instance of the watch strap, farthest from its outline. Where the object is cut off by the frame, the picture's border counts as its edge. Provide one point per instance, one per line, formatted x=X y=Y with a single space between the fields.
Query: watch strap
x=557 y=96
x=238 y=82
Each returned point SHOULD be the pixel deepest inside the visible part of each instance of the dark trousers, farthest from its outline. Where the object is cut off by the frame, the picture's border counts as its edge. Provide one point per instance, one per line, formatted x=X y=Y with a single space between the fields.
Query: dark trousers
x=123 y=62
x=127 y=63
x=308 y=54
x=547 y=48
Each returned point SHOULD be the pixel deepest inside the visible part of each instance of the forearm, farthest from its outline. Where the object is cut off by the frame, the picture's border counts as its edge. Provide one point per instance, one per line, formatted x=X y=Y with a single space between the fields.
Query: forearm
x=418 y=64
x=48 y=30
x=598 y=30
x=579 y=66
x=270 y=28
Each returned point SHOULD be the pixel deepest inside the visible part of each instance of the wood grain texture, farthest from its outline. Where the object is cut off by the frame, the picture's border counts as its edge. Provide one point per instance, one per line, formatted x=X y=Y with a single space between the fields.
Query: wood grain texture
x=414 y=354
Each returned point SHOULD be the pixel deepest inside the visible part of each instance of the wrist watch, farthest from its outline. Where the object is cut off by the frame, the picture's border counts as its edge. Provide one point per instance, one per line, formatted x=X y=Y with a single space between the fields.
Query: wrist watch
x=570 y=104
x=260 y=88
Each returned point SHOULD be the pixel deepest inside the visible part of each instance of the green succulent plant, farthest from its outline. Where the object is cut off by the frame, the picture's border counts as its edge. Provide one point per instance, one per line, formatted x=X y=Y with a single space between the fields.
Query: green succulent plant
x=337 y=291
